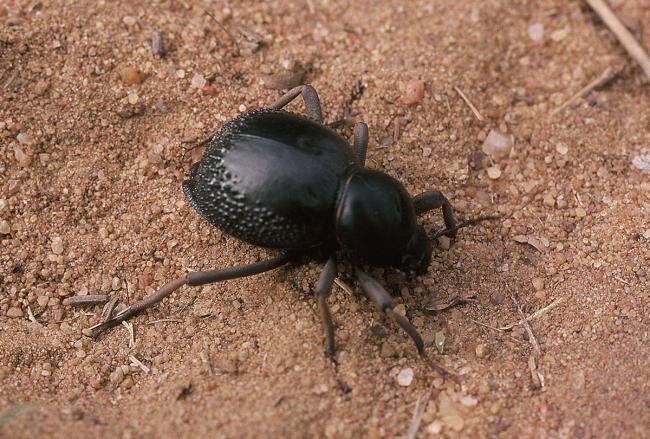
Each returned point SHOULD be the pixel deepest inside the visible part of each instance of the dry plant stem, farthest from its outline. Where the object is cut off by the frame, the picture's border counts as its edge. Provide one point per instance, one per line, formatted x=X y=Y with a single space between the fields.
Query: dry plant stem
x=633 y=48
x=91 y=299
x=140 y=306
x=529 y=331
x=603 y=79
x=235 y=45
x=534 y=315
x=469 y=104
x=420 y=407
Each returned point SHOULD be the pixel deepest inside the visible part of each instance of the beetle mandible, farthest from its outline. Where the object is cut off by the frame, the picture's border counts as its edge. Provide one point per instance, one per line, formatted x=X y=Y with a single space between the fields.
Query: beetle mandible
x=281 y=180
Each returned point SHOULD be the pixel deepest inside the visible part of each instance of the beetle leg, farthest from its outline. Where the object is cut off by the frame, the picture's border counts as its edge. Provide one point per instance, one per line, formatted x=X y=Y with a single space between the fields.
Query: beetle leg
x=309 y=95
x=323 y=290
x=427 y=201
x=361 y=142
x=378 y=294
x=193 y=279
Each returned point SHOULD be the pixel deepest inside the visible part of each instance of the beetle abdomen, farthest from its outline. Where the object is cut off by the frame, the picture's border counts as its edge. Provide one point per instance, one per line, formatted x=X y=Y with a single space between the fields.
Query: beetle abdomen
x=271 y=178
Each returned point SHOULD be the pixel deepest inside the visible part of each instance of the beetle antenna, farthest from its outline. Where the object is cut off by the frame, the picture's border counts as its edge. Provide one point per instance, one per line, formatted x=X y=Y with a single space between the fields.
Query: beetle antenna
x=466 y=223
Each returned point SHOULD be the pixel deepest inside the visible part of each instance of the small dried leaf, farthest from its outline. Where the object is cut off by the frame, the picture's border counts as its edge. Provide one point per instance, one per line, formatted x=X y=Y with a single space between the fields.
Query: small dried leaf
x=440 y=341
x=539 y=244
x=442 y=304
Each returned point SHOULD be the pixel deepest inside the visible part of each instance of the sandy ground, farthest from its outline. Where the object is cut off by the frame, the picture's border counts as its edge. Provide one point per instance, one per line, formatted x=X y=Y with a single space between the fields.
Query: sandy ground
x=90 y=202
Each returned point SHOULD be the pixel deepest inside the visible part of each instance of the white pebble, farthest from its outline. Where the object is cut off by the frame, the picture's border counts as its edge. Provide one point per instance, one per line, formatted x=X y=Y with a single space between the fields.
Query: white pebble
x=405 y=377
x=198 y=81
x=24 y=139
x=5 y=229
x=242 y=108
x=129 y=20
x=132 y=97
x=180 y=73
x=469 y=401
x=494 y=172
x=497 y=145
x=57 y=245
x=435 y=427
x=642 y=162
x=536 y=32
x=426 y=152
x=562 y=148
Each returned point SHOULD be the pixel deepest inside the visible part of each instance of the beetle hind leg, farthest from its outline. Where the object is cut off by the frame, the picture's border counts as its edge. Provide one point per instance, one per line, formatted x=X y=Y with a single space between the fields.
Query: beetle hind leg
x=378 y=294
x=196 y=278
x=309 y=95
x=323 y=290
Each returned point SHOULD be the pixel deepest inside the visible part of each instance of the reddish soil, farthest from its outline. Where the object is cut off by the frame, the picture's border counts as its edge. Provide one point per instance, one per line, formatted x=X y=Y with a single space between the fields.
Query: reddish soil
x=90 y=202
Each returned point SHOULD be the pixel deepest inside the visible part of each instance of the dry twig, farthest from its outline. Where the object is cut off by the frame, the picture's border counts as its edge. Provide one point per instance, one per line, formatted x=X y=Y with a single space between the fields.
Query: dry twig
x=139 y=363
x=129 y=328
x=235 y=45
x=603 y=79
x=534 y=315
x=342 y=285
x=90 y=299
x=420 y=407
x=469 y=104
x=624 y=36
x=529 y=331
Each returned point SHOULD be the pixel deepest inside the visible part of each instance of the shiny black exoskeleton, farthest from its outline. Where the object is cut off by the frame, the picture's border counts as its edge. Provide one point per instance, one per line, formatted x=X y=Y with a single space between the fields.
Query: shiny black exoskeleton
x=280 y=180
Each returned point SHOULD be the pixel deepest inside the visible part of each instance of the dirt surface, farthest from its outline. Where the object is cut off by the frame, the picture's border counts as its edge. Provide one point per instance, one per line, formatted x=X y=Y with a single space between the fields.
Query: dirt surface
x=91 y=166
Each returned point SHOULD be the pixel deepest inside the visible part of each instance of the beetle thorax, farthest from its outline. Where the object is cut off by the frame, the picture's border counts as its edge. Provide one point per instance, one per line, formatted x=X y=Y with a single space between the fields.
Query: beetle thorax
x=376 y=223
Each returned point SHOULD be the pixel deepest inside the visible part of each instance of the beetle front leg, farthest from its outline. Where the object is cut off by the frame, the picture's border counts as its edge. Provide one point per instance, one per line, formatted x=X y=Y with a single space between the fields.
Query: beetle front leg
x=427 y=201
x=323 y=290
x=378 y=294
x=309 y=95
x=193 y=279
x=361 y=142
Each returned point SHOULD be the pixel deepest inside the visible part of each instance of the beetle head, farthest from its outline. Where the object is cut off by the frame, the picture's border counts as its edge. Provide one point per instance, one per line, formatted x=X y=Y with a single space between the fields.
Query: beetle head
x=375 y=222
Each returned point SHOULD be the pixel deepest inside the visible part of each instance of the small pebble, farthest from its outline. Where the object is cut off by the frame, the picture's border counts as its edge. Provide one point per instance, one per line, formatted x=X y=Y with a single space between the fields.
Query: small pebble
x=129 y=20
x=24 y=139
x=480 y=350
x=581 y=212
x=157 y=46
x=494 y=172
x=434 y=428
x=426 y=152
x=497 y=145
x=57 y=245
x=469 y=401
x=198 y=81
x=414 y=93
x=405 y=377
x=180 y=73
x=117 y=376
x=130 y=76
x=5 y=228
x=559 y=35
x=14 y=312
x=444 y=242
x=400 y=309
x=132 y=98
x=536 y=32
x=562 y=148
x=23 y=159
x=642 y=162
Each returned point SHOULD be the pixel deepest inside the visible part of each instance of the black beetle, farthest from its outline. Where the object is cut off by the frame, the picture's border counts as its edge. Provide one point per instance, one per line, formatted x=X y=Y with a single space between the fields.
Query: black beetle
x=281 y=180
